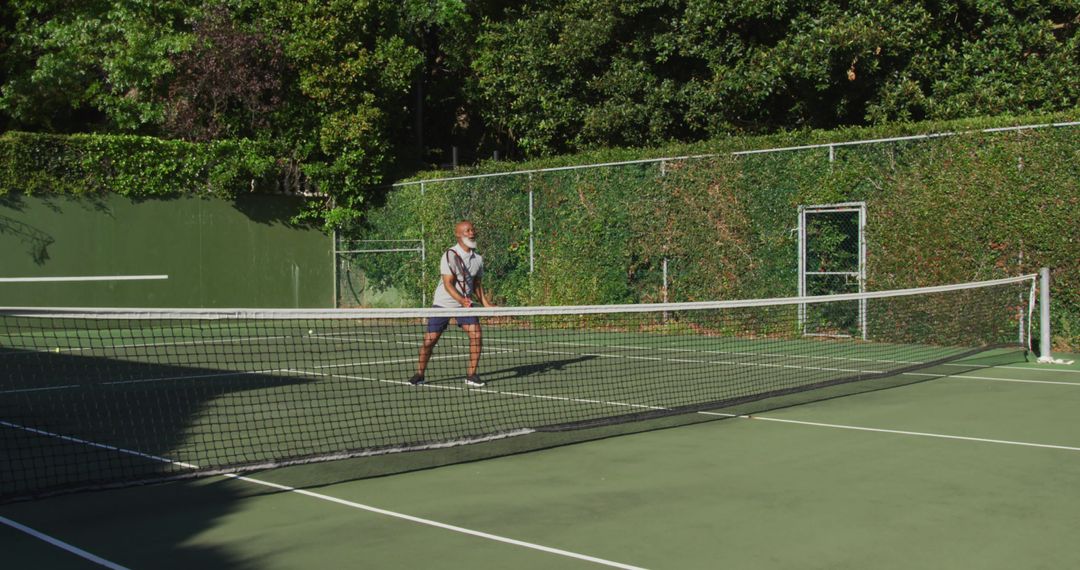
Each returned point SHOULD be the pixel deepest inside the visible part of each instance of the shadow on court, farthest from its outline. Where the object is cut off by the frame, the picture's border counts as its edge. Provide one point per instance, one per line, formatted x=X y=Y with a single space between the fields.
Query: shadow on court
x=78 y=422
x=69 y=422
x=538 y=368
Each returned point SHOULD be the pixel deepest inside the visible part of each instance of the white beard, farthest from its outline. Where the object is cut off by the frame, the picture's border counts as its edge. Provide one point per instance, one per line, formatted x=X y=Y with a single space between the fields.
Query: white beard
x=469 y=242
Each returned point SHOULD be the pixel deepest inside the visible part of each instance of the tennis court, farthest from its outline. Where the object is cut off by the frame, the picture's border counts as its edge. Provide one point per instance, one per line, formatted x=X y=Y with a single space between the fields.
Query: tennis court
x=949 y=445
x=972 y=470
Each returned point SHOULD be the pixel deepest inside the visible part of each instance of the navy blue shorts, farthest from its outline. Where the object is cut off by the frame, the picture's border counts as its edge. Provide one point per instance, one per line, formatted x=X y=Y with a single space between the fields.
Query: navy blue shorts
x=439 y=324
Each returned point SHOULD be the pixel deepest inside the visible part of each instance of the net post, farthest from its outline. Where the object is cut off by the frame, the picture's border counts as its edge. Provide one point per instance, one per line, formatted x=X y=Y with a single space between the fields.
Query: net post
x=1044 y=315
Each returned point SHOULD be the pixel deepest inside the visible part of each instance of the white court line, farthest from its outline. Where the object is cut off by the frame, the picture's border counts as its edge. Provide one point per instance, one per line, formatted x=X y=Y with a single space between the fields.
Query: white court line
x=25 y=390
x=662 y=349
x=106 y=347
x=727 y=352
x=699 y=351
x=89 y=443
x=899 y=432
x=497 y=392
x=196 y=376
x=62 y=545
x=622 y=356
x=82 y=278
x=400 y=360
x=1016 y=380
x=1047 y=369
x=177 y=343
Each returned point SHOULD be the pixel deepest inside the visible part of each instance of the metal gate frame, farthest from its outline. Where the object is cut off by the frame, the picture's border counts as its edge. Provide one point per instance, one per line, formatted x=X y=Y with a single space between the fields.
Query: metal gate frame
x=418 y=246
x=860 y=274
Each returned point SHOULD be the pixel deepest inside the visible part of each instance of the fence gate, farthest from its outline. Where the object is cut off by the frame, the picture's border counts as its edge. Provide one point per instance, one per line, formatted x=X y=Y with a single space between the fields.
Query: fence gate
x=379 y=273
x=832 y=260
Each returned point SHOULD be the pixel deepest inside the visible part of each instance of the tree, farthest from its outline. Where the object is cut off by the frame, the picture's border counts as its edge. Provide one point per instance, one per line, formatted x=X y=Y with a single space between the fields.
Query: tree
x=229 y=84
x=91 y=65
x=567 y=75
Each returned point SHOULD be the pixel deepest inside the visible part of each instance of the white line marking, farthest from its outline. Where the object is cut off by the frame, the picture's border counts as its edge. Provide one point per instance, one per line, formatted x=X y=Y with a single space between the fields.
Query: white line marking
x=177 y=343
x=82 y=278
x=902 y=432
x=436 y=524
x=25 y=390
x=693 y=350
x=1016 y=380
x=223 y=374
x=407 y=359
x=706 y=351
x=97 y=445
x=107 y=347
x=1057 y=370
x=62 y=545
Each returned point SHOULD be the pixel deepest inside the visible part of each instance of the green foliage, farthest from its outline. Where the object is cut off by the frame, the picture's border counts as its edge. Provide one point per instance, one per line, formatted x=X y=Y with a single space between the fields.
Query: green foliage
x=96 y=62
x=565 y=76
x=139 y=167
x=355 y=66
x=941 y=210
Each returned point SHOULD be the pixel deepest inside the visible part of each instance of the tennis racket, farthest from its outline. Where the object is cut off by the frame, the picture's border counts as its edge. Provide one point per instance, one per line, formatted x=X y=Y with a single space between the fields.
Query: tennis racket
x=461 y=273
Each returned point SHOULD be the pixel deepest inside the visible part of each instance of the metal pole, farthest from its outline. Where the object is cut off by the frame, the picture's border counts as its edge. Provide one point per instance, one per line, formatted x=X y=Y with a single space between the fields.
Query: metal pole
x=1044 y=315
x=334 y=261
x=1023 y=315
x=862 y=268
x=423 y=253
x=802 y=267
x=532 y=244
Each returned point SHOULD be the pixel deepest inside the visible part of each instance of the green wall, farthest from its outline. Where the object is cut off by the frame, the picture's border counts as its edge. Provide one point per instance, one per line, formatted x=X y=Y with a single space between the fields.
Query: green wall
x=217 y=253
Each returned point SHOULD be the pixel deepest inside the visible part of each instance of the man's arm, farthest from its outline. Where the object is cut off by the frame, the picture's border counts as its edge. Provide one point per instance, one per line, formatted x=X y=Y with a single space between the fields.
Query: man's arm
x=478 y=287
x=450 y=284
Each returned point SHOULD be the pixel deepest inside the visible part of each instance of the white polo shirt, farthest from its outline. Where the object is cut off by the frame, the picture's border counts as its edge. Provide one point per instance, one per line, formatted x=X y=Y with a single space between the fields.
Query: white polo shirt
x=474 y=269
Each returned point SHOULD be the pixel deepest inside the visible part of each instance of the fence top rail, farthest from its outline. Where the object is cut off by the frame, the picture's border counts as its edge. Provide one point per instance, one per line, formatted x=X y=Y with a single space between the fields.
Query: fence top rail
x=927 y=136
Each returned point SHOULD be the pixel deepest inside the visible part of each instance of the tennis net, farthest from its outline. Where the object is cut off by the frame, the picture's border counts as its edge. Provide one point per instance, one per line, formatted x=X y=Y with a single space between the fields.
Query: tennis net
x=103 y=397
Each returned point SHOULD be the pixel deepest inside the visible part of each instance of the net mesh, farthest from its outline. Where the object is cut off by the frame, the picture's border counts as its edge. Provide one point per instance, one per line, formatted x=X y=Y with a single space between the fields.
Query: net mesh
x=98 y=398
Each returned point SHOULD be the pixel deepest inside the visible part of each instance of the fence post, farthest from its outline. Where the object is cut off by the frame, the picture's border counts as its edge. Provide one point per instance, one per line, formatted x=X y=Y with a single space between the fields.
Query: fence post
x=1044 y=315
x=423 y=252
x=532 y=245
x=334 y=260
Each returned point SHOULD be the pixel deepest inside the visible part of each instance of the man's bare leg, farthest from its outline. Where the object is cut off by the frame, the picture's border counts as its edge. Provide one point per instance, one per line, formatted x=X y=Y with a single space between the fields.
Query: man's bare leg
x=430 y=340
x=476 y=346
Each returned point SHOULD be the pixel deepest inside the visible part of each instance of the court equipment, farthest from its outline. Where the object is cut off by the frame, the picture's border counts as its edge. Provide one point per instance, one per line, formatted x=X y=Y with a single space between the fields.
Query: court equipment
x=103 y=397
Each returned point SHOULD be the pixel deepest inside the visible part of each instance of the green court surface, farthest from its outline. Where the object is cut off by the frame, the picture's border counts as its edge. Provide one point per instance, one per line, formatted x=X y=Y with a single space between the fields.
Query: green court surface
x=978 y=469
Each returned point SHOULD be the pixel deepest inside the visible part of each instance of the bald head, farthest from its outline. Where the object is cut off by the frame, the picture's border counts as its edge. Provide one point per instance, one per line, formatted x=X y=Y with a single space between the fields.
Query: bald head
x=465 y=234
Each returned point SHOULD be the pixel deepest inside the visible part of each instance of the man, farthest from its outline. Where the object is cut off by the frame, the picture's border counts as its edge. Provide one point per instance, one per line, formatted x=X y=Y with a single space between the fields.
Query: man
x=457 y=291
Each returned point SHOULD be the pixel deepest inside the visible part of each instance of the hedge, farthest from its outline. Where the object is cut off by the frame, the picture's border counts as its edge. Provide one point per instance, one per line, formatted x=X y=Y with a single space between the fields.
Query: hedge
x=137 y=166
x=948 y=209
